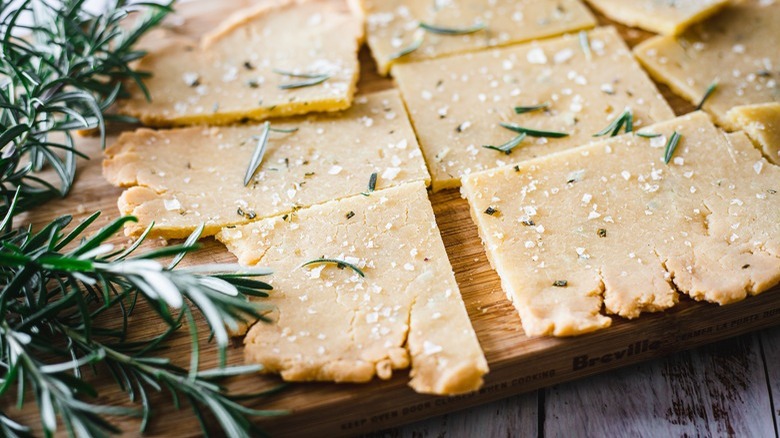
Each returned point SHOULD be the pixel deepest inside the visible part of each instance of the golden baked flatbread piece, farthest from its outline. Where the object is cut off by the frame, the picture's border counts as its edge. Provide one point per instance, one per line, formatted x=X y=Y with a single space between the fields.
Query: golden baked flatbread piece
x=734 y=55
x=611 y=225
x=239 y=71
x=396 y=302
x=183 y=177
x=582 y=84
x=667 y=17
x=761 y=122
x=393 y=25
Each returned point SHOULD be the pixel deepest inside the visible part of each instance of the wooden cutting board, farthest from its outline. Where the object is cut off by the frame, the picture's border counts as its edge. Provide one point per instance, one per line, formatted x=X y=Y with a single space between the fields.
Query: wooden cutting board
x=518 y=363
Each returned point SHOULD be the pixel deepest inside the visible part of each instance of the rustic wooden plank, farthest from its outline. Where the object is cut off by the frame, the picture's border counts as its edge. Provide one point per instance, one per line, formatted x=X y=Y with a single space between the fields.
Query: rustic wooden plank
x=770 y=347
x=513 y=416
x=717 y=390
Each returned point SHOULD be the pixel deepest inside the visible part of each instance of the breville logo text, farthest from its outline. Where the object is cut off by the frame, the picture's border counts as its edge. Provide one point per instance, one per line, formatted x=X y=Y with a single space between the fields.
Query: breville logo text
x=585 y=361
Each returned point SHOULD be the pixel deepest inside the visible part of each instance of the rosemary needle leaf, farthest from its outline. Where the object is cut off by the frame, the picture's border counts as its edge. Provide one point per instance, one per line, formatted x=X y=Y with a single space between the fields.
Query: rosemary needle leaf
x=647 y=134
x=341 y=264
x=316 y=80
x=407 y=50
x=508 y=146
x=613 y=129
x=297 y=75
x=707 y=94
x=532 y=132
x=257 y=156
x=585 y=44
x=371 y=184
x=441 y=30
x=285 y=130
x=530 y=108
x=671 y=146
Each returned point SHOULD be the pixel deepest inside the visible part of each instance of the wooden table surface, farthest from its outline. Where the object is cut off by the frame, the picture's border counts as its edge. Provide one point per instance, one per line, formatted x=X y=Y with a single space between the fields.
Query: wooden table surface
x=730 y=388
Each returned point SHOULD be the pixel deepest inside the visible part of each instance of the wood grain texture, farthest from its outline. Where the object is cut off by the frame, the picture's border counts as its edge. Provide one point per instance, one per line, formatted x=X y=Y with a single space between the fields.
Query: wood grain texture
x=770 y=343
x=718 y=390
x=519 y=364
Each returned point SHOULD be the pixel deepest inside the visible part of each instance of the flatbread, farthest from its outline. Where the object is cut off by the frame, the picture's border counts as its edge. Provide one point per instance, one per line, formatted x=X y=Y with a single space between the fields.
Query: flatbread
x=762 y=123
x=229 y=76
x=667 y=17
x=392 y=25
x=333 y=324
x=183 y=177
x=736 y=49
x=611 y=225
x=456 y=103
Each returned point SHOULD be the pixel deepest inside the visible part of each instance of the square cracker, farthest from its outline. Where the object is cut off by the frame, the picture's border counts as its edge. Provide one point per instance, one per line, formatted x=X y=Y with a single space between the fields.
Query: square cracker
x=659 y=16
x=761 y=122
x=737 y=49
x=230 y=77
x=183 y=177
x=333 y=324
x=392 y=25
x=610 y=224
x=456 y=103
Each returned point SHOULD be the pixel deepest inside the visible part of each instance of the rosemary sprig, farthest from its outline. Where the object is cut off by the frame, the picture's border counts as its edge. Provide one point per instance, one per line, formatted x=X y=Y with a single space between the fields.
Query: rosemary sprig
x=341 y=264
x=613 y=129
x=442 y=30
x=532 y=132
x=311 y=79
x=508 y=146
x=257 y=155
x=531 y=108
x=710 y=89
x=671 y=146
x=50 y=292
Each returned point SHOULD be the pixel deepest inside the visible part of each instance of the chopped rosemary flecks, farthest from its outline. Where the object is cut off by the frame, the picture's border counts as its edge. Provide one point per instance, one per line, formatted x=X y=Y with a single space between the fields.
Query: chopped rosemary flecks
x=671 y=145
x=257 y=155
x=533 y=132
x=530 y=108
x=585 y=44
x=707 y=94
x=408 y=49
x=517 y=168
x=371 y=184
x=285 y=130
x=560 y=283
x=490 y=211
x=350 y=214
x=297 y=75
x=602 y=232
x=647 y=134
x=341 y=264
x=745 y=266
x=613 y=129
x=508 y=146
x=441 y=30
x=253 y=83
x=528 y=222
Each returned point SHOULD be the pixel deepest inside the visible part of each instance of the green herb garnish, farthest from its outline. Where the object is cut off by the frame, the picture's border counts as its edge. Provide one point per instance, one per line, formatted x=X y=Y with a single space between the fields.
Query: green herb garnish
x=613 y=129
x=408 y=49
x=560 y=283
x=371 y=184
x=647 y=134
x=671 y=146
x=585 y=44
x=341 y=264
x=508 y=146
x=490 y=211
x=441 y=30
x=312 y=79
x=707 y=94
x=532 y=132
x=257 y=155
x=285 y=130
x=530 y=108
x=602 y=232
